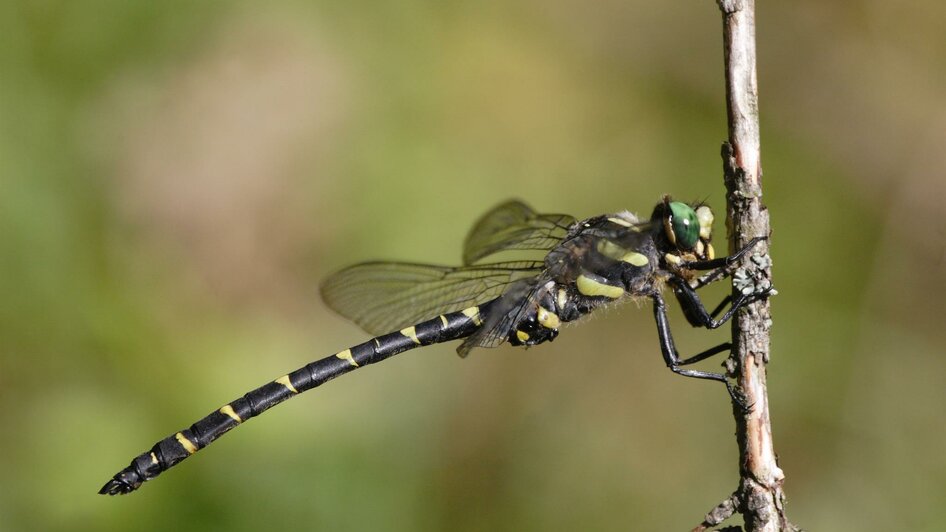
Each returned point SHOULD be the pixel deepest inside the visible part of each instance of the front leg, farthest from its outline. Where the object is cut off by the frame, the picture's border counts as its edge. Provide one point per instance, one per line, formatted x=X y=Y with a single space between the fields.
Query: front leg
x=720 y=266
x=696 y=312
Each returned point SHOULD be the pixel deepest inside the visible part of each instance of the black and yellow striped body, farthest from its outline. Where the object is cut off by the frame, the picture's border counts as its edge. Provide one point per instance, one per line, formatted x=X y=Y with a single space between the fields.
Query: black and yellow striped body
x=587 y=264
x=583 y=273
x=575 y=291
x=175 y=448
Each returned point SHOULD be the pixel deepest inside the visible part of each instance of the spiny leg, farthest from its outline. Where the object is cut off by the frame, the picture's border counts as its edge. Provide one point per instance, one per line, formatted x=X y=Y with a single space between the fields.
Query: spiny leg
x=720 y=266
x=696 y=312
x=726 y=346
x=722 y=304
x=672 y=358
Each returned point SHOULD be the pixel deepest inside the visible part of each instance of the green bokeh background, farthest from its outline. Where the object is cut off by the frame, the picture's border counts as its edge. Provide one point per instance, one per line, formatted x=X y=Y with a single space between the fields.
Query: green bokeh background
x=176 y=177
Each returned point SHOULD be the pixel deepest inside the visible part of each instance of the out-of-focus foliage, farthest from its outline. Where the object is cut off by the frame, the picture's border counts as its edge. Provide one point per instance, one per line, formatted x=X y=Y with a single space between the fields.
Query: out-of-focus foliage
x=175 y=178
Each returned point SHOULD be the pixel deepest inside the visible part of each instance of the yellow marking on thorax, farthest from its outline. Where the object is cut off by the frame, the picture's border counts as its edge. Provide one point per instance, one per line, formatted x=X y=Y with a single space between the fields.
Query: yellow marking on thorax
x=446 y=323
x=593 y=287
x=346 y=355
x=522 y=336
x=562 y=298
x=547 y=319
x=610 y=249
x=710 y=252
x=635 y=259
x=474 y=314
x=411 y=333
x=154 y=459
x=613 y=251
x=620 y=221
x=673 y=259
x=230 y=412
x=284 y=380
x=186 y=444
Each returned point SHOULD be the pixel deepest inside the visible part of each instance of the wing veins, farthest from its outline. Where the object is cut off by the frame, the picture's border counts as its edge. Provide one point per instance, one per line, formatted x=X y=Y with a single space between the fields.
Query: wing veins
x=365 y=293
x=513 y=225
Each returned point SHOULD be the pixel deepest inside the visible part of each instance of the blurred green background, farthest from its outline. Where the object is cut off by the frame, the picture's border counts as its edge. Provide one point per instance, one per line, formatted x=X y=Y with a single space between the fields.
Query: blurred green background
x=178 y=176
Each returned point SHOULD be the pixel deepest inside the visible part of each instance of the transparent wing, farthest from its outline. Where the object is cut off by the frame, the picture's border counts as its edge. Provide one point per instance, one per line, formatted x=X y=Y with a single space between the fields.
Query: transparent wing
x=514 y=226
x=502 y=314
x=387 y=296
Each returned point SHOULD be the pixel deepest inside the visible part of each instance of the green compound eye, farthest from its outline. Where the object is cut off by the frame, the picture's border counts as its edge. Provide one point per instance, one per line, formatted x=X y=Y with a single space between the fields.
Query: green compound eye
x=682 y=226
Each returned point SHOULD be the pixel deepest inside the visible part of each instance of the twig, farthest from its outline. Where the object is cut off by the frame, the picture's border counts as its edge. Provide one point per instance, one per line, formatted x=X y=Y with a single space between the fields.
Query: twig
x=759 y=497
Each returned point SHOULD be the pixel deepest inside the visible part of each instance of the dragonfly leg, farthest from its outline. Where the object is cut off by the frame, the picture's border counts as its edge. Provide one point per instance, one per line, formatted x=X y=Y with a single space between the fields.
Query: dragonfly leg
x=674 y=362
x=714 y=264
x=720 y=266
x=705 y=354
x=696 y=312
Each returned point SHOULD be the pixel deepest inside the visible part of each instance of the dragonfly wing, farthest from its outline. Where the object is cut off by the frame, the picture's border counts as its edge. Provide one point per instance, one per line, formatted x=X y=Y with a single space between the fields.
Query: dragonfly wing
x=386 y=296
x=513 y=225
x=504 y=313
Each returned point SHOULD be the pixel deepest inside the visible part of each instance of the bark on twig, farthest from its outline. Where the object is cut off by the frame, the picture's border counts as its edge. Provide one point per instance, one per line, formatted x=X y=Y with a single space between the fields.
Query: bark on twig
x=759 y=497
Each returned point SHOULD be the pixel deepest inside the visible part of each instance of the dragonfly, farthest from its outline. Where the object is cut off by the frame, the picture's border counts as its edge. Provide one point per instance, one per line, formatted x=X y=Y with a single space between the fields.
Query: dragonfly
x=587 y=264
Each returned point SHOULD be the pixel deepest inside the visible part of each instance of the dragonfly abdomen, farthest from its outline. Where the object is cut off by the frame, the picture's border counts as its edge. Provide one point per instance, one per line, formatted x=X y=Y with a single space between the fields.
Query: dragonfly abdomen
x=178 y=446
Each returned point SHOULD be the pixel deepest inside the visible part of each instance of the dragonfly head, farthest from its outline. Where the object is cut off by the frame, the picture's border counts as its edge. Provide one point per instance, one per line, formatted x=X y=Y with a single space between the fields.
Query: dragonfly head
x=688 y=228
